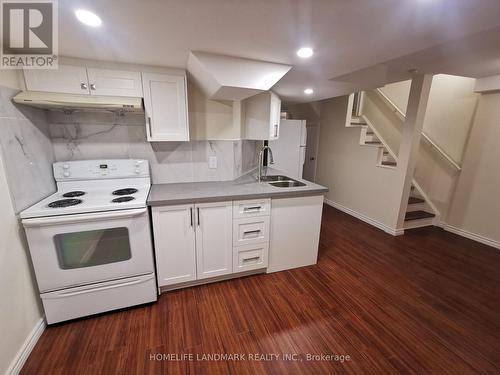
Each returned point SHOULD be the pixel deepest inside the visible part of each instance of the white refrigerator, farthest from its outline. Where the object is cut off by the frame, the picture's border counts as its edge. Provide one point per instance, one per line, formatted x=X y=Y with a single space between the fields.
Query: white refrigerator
x=289 y=150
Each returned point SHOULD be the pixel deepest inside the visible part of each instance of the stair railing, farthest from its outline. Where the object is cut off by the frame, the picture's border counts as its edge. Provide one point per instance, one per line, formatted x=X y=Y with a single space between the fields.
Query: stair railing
x=433 y=144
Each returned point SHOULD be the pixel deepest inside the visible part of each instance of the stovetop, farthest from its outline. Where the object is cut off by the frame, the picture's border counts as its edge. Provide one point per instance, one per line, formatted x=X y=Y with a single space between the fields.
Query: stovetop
x=111 y=185
x=93 y=200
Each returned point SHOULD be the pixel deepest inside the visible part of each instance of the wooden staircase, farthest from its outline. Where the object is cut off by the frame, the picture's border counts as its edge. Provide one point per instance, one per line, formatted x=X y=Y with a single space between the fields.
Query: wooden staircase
x=419 y=211
x=369 y=137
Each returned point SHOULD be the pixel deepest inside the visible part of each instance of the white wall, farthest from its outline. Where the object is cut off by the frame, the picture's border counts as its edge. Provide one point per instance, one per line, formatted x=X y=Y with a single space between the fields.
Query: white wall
x=19 y=310
x=105 y=135
x=210 y=119
x=450 y=112
x=436 y=177
x=398 y=93
x=349 y=170
x=476 y=204
x=305 y=111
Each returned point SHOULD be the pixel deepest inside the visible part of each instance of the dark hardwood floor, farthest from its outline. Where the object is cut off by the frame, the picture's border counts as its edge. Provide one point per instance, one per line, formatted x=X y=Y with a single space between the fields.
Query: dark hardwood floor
x=425 y=302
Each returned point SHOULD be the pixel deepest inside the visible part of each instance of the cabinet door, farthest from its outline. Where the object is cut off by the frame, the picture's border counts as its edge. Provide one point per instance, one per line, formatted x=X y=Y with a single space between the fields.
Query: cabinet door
x=274 y=128
x=262 y=116
x=165 y=102
x=114 y=82
x=214 y=250
x=68 y=79
x=174 y=238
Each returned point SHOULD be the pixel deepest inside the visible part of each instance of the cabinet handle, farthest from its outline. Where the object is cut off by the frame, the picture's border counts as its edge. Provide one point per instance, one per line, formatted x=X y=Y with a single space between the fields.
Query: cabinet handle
x=257 y=231
x=275 y=130
x=252 y=208
x=191 y=215
x=149 y=125
x=246 y=260
x=92 y=86
x=198 y=209
x=83 y=86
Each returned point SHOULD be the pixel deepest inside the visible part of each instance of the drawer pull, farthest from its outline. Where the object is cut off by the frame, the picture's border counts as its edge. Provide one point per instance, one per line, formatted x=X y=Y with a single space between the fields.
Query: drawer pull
x=253 y=259
x=252 y=232
x=252 y=208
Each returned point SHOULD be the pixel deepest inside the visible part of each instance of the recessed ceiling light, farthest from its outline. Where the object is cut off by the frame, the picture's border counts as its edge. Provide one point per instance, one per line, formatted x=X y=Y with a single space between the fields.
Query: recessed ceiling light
x=308 y=91
x=305 y=52
x=88 y=18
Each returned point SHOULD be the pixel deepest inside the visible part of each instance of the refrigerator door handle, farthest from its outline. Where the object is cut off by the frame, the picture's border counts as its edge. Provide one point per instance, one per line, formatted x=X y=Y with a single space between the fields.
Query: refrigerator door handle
x=302 y=155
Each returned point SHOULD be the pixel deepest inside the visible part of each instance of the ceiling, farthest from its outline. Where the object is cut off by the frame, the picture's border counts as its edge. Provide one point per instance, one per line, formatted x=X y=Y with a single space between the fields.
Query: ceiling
x=357 y=43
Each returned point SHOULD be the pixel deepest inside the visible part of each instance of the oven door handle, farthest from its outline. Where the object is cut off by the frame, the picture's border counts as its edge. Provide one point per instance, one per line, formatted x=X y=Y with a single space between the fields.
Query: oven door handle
x=81 y=218
x=93 y=288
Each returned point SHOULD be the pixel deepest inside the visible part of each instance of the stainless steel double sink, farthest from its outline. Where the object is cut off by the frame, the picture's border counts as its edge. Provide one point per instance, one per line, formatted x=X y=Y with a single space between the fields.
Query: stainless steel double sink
x=282 y=181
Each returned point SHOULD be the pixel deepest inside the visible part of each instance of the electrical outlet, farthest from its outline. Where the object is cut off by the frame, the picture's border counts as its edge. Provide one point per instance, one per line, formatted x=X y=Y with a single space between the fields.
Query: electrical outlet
x=212 y=162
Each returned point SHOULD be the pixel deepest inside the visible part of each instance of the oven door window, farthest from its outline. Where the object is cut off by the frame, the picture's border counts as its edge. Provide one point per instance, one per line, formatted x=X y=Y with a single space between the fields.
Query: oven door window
x=92 y=248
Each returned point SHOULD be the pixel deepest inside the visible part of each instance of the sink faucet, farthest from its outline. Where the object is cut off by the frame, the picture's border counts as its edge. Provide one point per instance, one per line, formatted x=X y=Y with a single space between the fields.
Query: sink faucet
x=261 y=157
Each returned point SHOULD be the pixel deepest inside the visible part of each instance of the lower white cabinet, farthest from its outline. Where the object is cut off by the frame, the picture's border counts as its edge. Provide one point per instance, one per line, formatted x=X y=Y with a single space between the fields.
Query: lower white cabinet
x=250 y=257
x=193 y=241
x=294 y=235
x=174 y=238
x=250 y=230
x=210 y=240
x=214 y=247
x=251 y=234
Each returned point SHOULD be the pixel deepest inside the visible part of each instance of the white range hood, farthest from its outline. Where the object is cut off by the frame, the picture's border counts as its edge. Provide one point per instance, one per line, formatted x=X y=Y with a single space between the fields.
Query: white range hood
x=57 y=101
x=233 y=78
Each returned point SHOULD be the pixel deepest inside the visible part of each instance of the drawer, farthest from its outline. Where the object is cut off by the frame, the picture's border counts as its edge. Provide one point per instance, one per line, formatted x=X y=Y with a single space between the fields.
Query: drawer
x=250 y=257
x=250 y=208
x=250 y=230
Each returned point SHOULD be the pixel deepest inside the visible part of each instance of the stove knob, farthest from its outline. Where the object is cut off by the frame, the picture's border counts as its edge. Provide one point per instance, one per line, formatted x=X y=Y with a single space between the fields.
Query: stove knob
x=65 y=166
x=66 y=174
x=137 y=171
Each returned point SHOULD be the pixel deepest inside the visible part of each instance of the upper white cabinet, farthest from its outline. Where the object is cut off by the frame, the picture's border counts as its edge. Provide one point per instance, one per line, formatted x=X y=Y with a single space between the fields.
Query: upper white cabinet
x=69 y=79
x=274 y=126
x=114 y=82
x=214 y=245
x=165 y=102
x=262 y=116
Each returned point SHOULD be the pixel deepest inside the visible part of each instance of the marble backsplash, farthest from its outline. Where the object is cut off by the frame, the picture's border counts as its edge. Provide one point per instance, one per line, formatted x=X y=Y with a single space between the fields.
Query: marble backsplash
x=88 y=135
x=27 y=151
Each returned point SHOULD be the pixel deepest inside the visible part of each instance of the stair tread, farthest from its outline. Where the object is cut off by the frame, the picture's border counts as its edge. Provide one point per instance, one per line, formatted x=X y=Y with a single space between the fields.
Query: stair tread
x=415 y=200
x=391 y=163
x=417 y=215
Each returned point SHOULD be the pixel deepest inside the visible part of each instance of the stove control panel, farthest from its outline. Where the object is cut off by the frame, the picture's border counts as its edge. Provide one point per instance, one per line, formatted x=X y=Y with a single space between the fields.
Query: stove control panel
x=100 y=169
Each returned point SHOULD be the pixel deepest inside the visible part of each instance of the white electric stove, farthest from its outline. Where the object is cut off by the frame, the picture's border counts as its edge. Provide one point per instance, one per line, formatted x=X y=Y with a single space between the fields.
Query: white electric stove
x=90 y=242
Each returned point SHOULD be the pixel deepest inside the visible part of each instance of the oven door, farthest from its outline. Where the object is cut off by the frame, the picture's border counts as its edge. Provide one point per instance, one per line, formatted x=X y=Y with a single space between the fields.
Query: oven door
x=82 y=249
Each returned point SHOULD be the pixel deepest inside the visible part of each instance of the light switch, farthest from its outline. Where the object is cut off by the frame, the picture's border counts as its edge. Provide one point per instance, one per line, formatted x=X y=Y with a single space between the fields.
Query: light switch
x=212 y=162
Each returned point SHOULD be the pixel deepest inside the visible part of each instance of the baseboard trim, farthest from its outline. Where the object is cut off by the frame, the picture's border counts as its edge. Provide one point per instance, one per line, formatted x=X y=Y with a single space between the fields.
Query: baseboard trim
x=25 y=350
x=472 y=236
x=366 y=219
